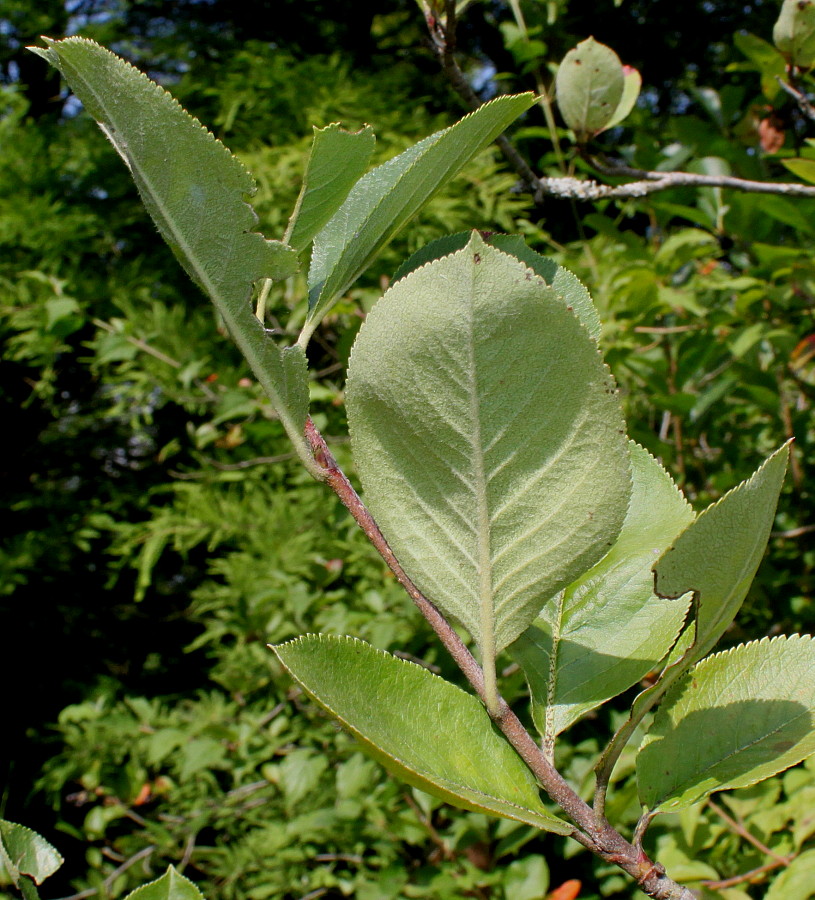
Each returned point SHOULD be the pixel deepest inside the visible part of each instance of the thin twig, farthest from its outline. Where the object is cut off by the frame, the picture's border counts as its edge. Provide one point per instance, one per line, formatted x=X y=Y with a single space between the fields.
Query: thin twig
x=801 y=99
x=752 y=876
x=590 y=830
x=800 y=531
x=740 y=830
x=106 y=884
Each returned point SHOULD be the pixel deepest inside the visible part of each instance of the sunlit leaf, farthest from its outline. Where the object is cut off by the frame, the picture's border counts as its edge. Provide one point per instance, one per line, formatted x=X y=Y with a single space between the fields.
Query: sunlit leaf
x=736 y=718
x=338 y=160
x=488 y=435
x=390 y=195
x=195 y=191
x=24 y=852
x=171 y=886
x=608 y=630
x=423 y=729
x=589 y=87
x=717 y=556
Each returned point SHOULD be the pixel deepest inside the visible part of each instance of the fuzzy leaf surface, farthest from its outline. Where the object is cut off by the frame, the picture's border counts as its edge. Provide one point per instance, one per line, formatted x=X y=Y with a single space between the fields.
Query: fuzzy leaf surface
x=718 y=554
x=24 y=852
x=338 y=159
x=195 y=191
x=589 y=87
x=569 y=286
x=608 y=629
x=488 y=435
x=382 y=201
x=171 y=886
x=420 y=727
x=736 y=718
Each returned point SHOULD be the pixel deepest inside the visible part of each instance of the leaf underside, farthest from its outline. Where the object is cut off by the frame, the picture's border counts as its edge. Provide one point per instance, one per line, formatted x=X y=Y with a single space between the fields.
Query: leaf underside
x=608 y=629
x=488 y=435
x=385 y=199
x=27 y=853
x=736 y=718
x=195 y=191
x=423 y=729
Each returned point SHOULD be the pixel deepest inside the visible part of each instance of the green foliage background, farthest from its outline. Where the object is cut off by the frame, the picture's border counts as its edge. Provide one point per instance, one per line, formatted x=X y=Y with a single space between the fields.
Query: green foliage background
x=158 y=534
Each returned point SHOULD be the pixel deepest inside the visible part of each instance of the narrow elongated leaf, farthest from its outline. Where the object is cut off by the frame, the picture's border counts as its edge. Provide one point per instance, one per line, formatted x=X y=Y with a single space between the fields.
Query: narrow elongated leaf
x=337 y=161
x=24 y=852
x=589 y=87
x=171 y=886
x=387 y=197
x=607 y=630
x=717 y=556
x=488 y=435
x=425 y=730
x=736 y=718
x=195 y=191
x=569 y=286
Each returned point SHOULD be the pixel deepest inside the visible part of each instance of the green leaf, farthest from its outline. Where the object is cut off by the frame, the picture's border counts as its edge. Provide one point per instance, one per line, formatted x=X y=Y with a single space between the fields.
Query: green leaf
x=421 y=728
x=796 y=881
x=337 y=161
x=385 y=199
x=195 y=191
x=794 y=32
x=589 y=88
x=23 y=852
x=767 y=60
x=570 y=287
x=632 y=85
x=608 y=629
x=717 y=556
x=736 y=718
x=803 y=168
x=488 y=435
x=171 y=886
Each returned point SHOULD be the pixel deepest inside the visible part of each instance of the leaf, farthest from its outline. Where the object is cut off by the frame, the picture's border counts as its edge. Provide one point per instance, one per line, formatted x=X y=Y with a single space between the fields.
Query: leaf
x=24 y=852
x=171 y=886
x=382 y=201
x=796 y=881
x=338 y=160
x=195 y=191
x=767 y=60
x=632 y=85
x=570 y=287
x=488 y=436
x=423 y=729
x=736 y=718
x=607 y=630
x=589 y=87
x=794 y=32
x=717 y=556
x=803 y=168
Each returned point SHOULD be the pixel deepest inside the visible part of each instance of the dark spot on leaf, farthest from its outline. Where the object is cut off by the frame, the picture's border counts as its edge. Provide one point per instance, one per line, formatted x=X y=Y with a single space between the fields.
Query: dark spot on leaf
x=477 y=257
x=783 y=746
x=577 y=62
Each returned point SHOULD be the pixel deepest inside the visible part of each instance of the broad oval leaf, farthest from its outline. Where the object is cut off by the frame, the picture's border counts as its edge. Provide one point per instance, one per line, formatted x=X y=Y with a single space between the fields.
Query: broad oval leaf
x=589 y=87
x=24 y=852
x=608 y=629
x=717 y=555
x=569 y=286
x=794 y=32
x=195 y=191
x=488 y=435
x=736 y=718
x=338 y=160
x=171 y=886
x=420 y=727
x=385 y=199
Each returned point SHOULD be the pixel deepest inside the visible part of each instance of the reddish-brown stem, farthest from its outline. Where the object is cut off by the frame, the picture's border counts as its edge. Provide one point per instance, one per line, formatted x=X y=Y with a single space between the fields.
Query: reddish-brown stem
x=592 y=831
